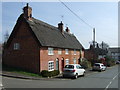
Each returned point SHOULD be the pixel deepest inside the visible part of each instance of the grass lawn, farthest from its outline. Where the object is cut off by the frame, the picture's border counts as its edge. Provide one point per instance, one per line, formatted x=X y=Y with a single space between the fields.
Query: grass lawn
x=19 y=71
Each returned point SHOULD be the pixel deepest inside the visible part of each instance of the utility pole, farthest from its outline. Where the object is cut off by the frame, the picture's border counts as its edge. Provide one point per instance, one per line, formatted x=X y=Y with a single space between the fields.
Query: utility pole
x=93 y=45
x=94 y=37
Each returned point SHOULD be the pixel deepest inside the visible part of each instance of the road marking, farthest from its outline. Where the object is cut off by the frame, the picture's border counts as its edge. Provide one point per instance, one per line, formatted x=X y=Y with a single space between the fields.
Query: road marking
x=111 y=81
x=115 y=76
x=108 y=85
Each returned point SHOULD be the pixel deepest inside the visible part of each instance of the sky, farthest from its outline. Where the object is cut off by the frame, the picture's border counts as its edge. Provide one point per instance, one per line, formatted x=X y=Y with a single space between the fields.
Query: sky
x=103 y=16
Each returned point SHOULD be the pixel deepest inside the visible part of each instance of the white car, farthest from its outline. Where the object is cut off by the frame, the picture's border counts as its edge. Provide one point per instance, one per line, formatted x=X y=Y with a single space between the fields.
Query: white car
x=73 y=70
x=99 y=67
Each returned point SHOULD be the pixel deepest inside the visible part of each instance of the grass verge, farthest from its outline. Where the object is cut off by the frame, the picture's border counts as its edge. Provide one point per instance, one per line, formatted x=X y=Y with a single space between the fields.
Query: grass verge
x=19 y=71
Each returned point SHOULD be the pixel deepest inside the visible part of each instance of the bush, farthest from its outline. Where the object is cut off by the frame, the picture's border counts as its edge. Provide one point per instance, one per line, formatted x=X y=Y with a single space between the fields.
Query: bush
x=86 y=64
x=109 y=61
x=46 y=73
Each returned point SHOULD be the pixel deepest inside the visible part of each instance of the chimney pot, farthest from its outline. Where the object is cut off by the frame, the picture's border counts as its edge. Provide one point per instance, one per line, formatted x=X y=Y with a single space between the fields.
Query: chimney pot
x=67 y=30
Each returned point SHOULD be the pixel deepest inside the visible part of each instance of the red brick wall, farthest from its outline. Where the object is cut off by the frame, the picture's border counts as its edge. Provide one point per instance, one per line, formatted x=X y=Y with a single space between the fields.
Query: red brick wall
x=44 y=57
x=28 y=56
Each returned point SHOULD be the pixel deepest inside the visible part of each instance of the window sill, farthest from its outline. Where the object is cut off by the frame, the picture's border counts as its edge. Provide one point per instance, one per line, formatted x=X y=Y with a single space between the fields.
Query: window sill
x=51 y=70
x=50 y=54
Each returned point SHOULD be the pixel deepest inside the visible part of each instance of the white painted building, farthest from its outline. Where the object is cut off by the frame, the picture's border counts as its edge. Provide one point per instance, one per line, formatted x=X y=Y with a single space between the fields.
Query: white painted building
x=115 y=53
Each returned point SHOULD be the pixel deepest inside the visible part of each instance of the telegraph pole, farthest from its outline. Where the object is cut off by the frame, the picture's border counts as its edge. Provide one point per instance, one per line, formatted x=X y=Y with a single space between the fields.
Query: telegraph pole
x=94 y=37
x=93 y=45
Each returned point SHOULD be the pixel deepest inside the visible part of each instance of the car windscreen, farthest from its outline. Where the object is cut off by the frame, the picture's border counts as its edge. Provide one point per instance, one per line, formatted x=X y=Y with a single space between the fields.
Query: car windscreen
x=69 y=66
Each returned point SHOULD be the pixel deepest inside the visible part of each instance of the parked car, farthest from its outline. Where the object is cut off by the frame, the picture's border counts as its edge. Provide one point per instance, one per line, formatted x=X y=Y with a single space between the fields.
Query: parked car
x=73 y=70
x=118 y=62
x=99 y=67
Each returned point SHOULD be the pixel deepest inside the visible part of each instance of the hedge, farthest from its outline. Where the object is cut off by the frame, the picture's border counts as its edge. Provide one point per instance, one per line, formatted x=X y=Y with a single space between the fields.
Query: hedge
x=85 y=64
x=46 y=73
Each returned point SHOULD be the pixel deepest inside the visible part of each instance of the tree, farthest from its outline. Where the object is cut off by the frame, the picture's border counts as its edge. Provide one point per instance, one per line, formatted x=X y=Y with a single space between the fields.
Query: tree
x=104 y=46
x=6 y=36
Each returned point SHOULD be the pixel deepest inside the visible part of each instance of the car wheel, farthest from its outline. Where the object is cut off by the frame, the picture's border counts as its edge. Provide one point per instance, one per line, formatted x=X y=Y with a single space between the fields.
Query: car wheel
x=105 y=69
x=63 y=76
x=76 y=76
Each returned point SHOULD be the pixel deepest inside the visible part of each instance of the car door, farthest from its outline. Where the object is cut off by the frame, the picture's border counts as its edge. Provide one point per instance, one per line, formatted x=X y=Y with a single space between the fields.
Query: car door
x=77 y=70
x=80 y=71
x=104 y=67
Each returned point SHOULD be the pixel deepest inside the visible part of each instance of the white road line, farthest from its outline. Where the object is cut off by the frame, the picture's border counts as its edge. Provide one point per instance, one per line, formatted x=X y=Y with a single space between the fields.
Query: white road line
x=111 y=81
x=115 y=76
x=108 y=85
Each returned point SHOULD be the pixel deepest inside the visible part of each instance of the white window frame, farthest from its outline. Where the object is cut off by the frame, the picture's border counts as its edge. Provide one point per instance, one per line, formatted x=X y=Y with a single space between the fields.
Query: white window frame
x=59 y=51
x=50 y=51
x=67 y=61
x=66 y=51
x=16 y=46
x=74 y=60
x=74 y=51
x=50 y=65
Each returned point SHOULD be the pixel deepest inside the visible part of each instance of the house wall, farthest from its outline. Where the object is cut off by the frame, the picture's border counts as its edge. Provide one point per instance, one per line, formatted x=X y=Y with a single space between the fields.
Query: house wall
x=27 y=57
x=45 y=58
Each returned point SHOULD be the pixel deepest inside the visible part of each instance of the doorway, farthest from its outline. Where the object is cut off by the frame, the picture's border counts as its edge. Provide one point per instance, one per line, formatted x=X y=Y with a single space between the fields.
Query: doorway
x=62 y=63
x=57 y=64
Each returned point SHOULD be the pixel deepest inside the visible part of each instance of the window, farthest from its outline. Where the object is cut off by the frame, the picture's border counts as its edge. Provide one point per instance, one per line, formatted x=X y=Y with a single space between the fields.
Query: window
x=66 y=51
x=50 y=65
x=16 y=46
x=74 y=60
x=78 y=67
x=74 y=52
x=59 y=51
x=67 y=61
x=69 y=66
x=50 y=51
x=116 y=54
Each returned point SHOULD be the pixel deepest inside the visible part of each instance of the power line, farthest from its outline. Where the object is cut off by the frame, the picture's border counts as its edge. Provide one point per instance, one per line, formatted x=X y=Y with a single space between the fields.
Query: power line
x=76 y=14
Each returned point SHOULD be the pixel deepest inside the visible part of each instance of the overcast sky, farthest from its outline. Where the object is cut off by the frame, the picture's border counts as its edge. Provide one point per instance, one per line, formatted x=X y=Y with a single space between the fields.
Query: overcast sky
x=101 y=15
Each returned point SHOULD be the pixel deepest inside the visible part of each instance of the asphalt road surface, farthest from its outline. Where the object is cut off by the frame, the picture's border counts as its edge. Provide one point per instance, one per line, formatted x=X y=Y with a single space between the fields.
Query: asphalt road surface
x=106 y=79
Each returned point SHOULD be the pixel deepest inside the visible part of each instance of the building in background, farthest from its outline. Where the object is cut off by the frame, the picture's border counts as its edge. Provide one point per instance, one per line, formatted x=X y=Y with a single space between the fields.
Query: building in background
x=115 y=53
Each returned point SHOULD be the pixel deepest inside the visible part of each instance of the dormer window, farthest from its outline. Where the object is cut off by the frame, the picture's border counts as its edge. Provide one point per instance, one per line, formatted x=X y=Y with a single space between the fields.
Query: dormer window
x=59 y=51
x=50 y=51
x=74 y=51
x=66 y=51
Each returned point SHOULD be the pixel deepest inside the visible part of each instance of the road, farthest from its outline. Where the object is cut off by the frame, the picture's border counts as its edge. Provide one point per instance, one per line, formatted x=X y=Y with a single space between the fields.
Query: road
x=106 y=79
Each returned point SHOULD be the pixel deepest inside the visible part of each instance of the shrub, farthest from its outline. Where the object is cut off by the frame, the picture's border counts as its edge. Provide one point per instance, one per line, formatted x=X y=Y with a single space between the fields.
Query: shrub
x=46 y=73
x=109 y=61
x=86 y=64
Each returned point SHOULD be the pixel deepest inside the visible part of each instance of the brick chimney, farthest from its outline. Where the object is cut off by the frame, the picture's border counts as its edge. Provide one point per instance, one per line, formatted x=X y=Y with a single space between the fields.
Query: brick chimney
x=27 y=11
x=60 y=27
x=68 y=30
